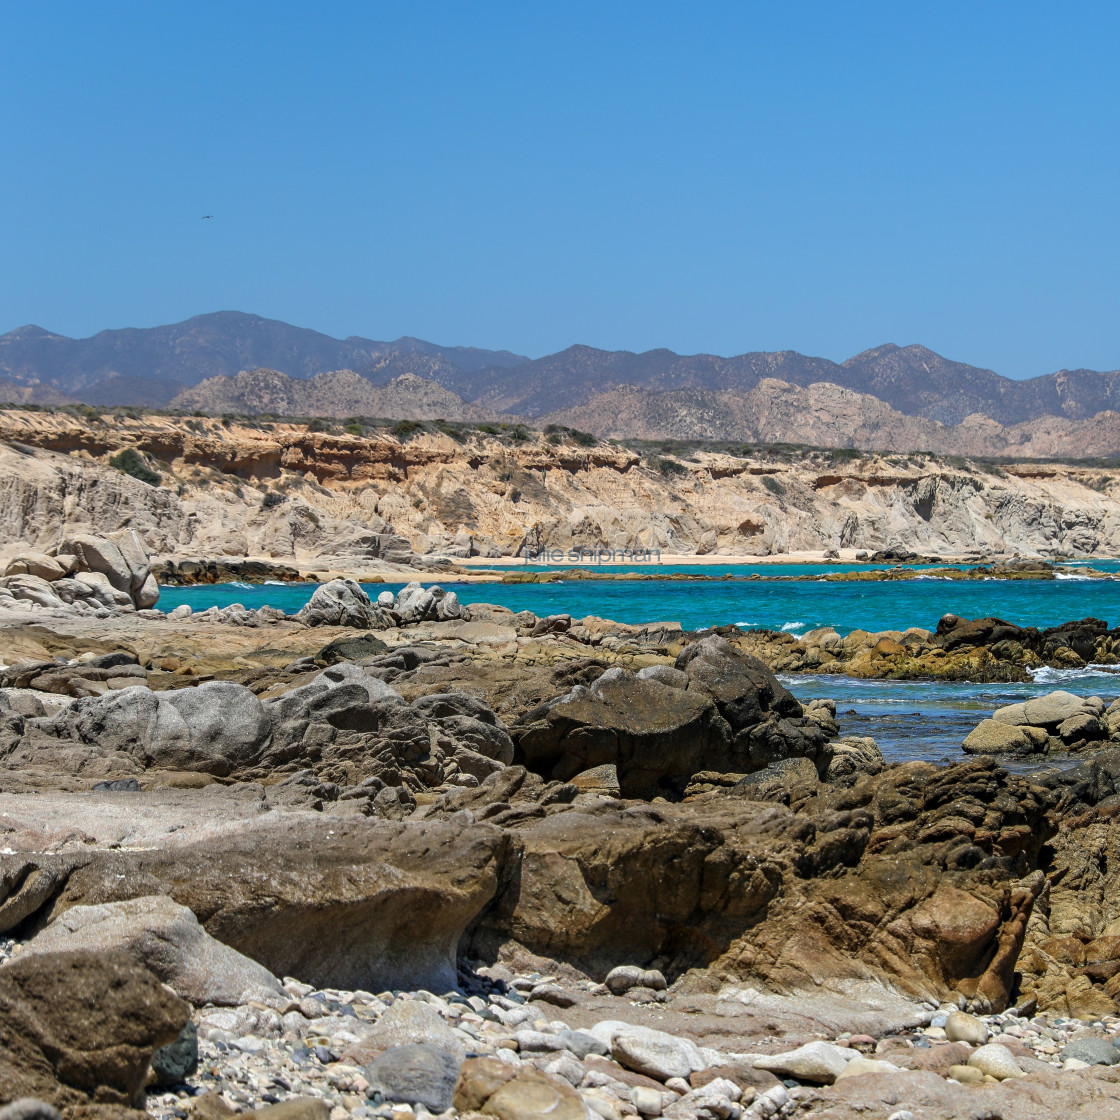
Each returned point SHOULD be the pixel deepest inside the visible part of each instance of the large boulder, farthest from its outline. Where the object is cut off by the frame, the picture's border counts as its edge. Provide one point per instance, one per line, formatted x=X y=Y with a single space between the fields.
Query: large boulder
x=656 y=736
x=78 y=1029
x=342 y=602
x=732 y=717
x=954 y=632
x=217 y=728
x=992 y=736
x=350 y=726
x=165 y=937
x=38 y=564
x=342 y=902
x=98 y=554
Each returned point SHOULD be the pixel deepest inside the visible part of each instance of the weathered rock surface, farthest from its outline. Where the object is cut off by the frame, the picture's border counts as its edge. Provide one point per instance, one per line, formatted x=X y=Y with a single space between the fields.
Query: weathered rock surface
x=354 y=902
x=1057 y=722
x=77 y=1030
x=83 y=573
x=166 y=938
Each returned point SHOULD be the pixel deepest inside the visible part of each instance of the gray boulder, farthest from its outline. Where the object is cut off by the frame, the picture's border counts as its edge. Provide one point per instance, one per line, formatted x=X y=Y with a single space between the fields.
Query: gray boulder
x=167 y=938
x=97 y=554
x=734 y=717
x=342 y=602
x=853 y=755
x=215 y=728
x=346 y=718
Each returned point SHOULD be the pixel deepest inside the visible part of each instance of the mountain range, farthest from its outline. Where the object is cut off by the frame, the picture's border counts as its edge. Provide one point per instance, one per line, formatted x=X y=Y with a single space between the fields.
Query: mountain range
x=198 y=364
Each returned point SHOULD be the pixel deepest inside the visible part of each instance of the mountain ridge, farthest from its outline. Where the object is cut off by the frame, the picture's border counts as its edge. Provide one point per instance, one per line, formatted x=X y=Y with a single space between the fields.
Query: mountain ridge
x=153 y=366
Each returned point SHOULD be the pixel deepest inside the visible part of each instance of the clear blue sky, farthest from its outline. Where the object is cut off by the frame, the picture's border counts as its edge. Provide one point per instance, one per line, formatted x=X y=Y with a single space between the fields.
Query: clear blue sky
x=706 y=177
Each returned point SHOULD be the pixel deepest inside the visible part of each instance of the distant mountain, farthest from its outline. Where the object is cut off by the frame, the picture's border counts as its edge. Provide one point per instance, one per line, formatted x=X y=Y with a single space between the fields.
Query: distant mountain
x=911 y=379
x=151 y=366
x=340 y=393
x=155 y=366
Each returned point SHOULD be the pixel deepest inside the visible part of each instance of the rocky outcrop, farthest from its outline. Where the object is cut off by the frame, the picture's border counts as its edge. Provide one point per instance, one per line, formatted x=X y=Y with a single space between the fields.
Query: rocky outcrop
x=984 y=649
x=717 y=710
x=1056 y=722
x=346 y=727
x=84 y=573
x=343 y=502
x=352 y=903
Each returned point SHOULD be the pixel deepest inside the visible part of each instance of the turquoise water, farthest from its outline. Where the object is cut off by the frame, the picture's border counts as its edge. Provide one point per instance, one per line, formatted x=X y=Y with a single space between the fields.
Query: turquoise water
x=775 y=604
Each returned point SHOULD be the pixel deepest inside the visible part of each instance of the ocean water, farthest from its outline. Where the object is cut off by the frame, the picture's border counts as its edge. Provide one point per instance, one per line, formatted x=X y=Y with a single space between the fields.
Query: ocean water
x=908 y=719
x=776 y=604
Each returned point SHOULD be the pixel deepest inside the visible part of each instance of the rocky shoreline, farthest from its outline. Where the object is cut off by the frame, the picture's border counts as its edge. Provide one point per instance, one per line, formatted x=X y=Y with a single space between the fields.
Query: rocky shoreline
x=403 y=857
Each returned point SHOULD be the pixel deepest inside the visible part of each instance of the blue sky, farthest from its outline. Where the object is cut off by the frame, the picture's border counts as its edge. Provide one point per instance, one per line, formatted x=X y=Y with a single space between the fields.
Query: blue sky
x=706 y=177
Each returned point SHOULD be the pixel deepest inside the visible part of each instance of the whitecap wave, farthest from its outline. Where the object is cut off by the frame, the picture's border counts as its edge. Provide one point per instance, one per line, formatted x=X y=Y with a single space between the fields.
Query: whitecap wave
x=1046 y=674
x=1071 y=575
x=241 y=585
x=790 y=627
x=275 y=583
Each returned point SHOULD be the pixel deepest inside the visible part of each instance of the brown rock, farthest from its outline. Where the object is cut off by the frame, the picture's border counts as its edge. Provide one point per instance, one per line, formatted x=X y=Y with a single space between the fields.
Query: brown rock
x=80 y=1028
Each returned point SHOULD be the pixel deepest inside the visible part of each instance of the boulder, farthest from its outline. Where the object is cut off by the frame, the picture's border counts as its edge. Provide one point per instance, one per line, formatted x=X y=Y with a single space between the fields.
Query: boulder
x=851 y=756
x=167 y=938
x=135 y=554
x=620 y=980
x=342 y=602
x=78 y=1028
x=217 y=728
x=38 y=564
x=97 y=554
x=1054 y=709
x=351 y=726
x=734 y=717
x=655 y=735
x=411 y=1022
x=147 y=594
x=345 y=902
x=98 y=587
x=174 y=1063
x=493 y=1088
x=992 y=736
x=960 y=1027
x=651 y=1052
x=819 y=1062
x=995 y=1060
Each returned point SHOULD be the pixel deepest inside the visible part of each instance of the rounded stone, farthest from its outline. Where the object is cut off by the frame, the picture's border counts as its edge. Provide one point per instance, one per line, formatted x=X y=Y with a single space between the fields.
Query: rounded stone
x=962 y=1027
x=1092 y=1051
x=995 y=1060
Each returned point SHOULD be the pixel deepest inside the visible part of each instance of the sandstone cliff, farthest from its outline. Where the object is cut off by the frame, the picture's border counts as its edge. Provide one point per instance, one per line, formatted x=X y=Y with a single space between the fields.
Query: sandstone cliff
x=282 y=490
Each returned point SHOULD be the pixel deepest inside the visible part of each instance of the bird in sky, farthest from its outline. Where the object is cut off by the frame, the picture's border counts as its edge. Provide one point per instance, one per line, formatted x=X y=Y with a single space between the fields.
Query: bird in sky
x=205 y=216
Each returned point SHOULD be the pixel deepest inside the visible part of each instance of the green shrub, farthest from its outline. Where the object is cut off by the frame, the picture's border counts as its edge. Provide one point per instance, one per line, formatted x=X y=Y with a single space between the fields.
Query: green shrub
x=272 y=499
x=772 y=484
x=131 y=462
x=402 y=429
x=671 y=468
